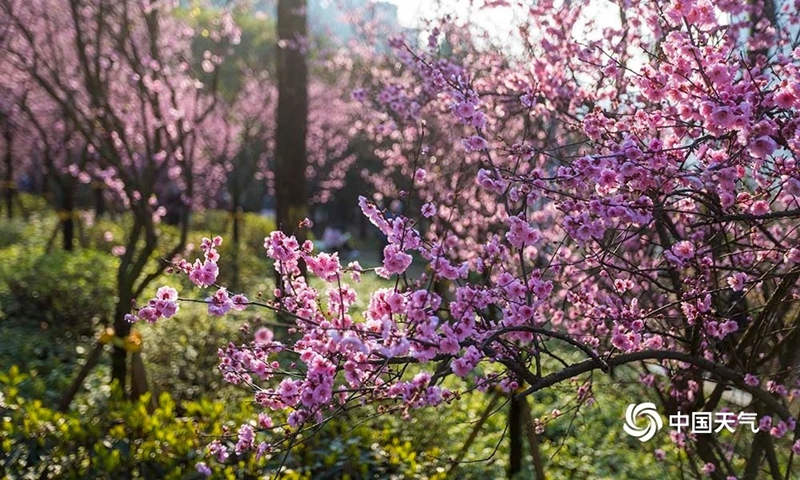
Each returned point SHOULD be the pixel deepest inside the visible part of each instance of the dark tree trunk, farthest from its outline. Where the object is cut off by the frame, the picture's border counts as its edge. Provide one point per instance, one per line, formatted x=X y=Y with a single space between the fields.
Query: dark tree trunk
x=515 y=436
x=290 y=148
x=139 y=379
x=9 y=178
x=533 y=441
x=119 y=367
x=68 y=219
x=99 y=201
x=236 y=215
x=119 y=356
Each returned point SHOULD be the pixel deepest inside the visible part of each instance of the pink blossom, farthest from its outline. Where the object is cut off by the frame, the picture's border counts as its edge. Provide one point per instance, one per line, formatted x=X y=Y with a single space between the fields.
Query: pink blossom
x=167 y=293
x=737 y=280
x=263 y=336
x=521 y=233
x=203 y=469
x=218 y=450
x=204 y=274
x=220 y=303
x=395 y=261
x=475 y=143
x=428 y=210
x=149 y=314
x=751 y=380
x=245 y=440
x=784 y=99
x=683 y=250
x=722 y=117
x=325 y=266
x=166 y=308
x=763 y=146
x=759 y=207
x=465 y=364
x=239 y=302
x=793 y=255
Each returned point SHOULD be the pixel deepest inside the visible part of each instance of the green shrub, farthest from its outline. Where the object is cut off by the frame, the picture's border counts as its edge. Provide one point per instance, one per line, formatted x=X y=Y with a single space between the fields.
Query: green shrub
x=51 y=357
x=181 y=354
x=253 y=263
x=33 y=231
x=11 y=232
x=122 y=439
x=105 y=233
x=118 y=439
x=64 y=289
x=32 y=203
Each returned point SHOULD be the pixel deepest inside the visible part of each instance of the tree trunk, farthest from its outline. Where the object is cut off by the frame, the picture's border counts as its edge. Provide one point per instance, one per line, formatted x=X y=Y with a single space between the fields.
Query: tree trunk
x=99 y=201
x=119 y=356
x=290 y=148
x=236 y=217
x=515 y=436
x=68 y=219
x=533 y=441
x=119 y=366
x=139 y=378
x=9 y=178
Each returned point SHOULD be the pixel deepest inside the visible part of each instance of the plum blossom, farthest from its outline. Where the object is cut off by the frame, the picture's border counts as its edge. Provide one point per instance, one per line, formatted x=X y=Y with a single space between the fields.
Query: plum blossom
x=220 y=303
x=763 y=146
x=684 y=250
x=428 y=210
x=466 y=363
x=475 y=143
x=759 y=207
x=395 y=261
x=204 y=274
x=239 y=302
x=246 y=439
x=203 y=469
x=263 y=336
x=737 y=280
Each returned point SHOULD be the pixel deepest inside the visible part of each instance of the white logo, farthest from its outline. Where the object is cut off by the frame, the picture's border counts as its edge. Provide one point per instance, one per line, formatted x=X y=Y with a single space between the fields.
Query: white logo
x=654 y=423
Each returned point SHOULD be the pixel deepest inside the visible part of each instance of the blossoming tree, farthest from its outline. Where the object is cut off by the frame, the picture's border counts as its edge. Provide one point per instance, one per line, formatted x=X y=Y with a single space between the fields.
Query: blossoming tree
x=117 y=73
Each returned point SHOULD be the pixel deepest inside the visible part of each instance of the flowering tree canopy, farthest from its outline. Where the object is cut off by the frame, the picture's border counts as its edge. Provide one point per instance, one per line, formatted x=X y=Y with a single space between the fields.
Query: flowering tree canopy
x=118 y=78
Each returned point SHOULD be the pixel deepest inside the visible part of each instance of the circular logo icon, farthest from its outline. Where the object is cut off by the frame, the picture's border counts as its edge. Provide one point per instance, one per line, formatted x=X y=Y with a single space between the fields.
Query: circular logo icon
x=648 y=411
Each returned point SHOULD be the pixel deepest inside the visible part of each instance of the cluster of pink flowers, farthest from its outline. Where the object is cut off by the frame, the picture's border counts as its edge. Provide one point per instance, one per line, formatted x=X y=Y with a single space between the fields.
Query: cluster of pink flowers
x=164 y=305
x=221 y=302
x=204 y=273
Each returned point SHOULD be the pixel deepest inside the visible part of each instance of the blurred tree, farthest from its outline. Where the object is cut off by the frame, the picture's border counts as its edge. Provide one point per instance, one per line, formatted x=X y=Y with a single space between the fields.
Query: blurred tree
x=292 y=116
x=118 y=75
